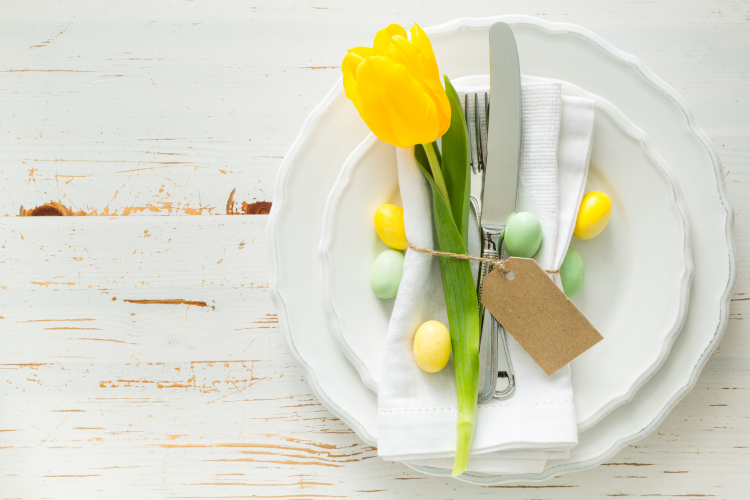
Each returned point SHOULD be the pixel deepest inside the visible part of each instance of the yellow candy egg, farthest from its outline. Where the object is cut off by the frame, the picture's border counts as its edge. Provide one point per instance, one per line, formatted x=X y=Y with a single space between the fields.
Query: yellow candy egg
x=389 y=223
x=432 y=346
x=593 y=215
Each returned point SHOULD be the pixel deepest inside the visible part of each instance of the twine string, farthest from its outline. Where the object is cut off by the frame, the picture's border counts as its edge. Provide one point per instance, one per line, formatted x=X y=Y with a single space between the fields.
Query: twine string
x=495 y=263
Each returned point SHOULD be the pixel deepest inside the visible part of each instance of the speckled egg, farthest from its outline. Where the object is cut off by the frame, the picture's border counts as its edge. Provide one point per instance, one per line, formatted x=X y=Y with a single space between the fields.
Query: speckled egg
x=432 y=346
x=523 y=235
x=572 y=273
x=389 y=223
x=593 y=215
x=386 y=272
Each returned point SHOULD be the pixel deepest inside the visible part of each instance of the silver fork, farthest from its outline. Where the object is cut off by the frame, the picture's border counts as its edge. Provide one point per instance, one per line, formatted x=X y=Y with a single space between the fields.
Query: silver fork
x=496 y=371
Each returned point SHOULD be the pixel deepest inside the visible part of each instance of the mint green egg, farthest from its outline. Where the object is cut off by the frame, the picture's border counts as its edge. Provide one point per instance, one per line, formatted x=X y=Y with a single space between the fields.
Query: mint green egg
x=523 y=235
x=502 y=233
x=386 y=272
x=572 y=272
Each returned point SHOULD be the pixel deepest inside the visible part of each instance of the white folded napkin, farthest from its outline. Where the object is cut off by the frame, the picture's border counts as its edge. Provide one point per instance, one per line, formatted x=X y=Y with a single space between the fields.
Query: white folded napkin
x=417 y=410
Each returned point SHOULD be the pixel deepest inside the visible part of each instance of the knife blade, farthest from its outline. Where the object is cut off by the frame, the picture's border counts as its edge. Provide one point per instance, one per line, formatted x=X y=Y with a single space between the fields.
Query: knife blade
x=500 y=184
x=504 y=130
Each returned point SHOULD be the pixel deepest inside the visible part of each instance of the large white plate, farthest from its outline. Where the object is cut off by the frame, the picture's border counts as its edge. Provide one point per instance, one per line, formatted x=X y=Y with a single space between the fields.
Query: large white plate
x=556 y=50
x=637 y=272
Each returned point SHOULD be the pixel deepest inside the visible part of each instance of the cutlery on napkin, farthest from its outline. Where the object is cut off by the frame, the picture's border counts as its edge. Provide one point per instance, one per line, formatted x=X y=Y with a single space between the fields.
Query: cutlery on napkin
x=417 y=410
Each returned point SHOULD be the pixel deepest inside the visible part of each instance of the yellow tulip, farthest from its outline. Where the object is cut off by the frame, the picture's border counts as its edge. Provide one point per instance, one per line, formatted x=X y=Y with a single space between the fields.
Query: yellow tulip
x=395 y=86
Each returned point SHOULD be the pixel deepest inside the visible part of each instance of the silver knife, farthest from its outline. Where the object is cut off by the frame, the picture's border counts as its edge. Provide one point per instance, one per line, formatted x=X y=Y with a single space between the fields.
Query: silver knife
x=500 y=182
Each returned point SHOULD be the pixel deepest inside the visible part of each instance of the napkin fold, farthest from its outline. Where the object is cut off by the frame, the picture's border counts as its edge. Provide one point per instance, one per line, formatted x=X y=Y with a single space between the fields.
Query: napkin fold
x=417 y=410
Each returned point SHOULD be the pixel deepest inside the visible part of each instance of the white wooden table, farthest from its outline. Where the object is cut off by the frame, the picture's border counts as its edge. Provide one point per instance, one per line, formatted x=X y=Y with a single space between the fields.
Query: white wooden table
x=141 y=356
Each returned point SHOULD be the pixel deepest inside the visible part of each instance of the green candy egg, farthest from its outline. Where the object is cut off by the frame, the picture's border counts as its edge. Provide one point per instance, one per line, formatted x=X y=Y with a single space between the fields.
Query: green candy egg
x=572 y=273
x=523 y=235
x=502 y=233
x=386 y=272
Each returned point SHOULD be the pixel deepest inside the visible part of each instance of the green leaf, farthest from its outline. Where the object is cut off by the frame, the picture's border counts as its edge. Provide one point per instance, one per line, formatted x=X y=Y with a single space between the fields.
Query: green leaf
x=463 y=323
x=455 y=163
x=437 y=152
x=421 y=156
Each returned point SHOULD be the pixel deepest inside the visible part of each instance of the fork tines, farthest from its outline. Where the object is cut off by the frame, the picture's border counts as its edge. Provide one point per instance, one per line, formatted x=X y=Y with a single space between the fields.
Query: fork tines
x=476 y=136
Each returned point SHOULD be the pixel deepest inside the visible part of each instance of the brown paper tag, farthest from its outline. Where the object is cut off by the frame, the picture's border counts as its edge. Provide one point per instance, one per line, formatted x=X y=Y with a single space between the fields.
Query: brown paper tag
x=537 y=314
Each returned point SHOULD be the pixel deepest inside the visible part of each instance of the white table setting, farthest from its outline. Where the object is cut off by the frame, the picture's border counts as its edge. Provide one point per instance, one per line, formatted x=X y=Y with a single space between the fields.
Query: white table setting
x=343 y=242
x=207 y=318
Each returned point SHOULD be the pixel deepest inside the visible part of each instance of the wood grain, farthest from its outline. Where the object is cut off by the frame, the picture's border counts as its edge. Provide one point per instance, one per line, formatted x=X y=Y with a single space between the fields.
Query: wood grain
x=141 y=356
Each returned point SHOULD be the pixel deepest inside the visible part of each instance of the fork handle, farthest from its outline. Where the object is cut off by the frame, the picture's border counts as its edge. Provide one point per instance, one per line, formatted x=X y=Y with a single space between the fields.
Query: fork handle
x=490 y=368
x=493 y=240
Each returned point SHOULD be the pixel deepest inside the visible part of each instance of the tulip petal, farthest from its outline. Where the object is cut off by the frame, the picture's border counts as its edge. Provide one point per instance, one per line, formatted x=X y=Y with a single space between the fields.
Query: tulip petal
x=402 y=51
x=422 y=43
x=431 y=75
x=349 y=66
x=423 y=67
x=394 y=105
x=383 y=38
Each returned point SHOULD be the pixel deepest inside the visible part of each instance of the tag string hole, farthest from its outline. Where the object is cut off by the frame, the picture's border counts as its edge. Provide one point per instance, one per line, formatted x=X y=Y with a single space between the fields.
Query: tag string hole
x=510 y=276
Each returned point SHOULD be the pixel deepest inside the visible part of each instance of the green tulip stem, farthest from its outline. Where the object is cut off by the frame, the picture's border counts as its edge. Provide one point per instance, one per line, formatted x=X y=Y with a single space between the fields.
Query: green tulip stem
x=437 y=172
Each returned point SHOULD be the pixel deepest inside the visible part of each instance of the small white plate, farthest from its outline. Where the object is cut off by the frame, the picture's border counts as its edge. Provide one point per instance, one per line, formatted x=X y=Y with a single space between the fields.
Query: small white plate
x=555 y=50
x=638 y=270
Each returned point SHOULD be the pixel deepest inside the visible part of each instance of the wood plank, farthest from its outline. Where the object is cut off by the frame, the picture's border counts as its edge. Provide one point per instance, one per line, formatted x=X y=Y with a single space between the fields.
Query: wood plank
x=134 y=253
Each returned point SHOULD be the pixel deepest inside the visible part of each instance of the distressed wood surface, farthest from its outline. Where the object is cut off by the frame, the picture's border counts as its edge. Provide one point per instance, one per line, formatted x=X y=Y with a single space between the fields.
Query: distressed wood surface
x=141 y=356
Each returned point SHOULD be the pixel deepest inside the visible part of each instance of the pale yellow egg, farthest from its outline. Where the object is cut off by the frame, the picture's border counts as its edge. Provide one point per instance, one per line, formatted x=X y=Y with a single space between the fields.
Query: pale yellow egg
x=593 y=215
x=389 y=223
x=432 y=346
